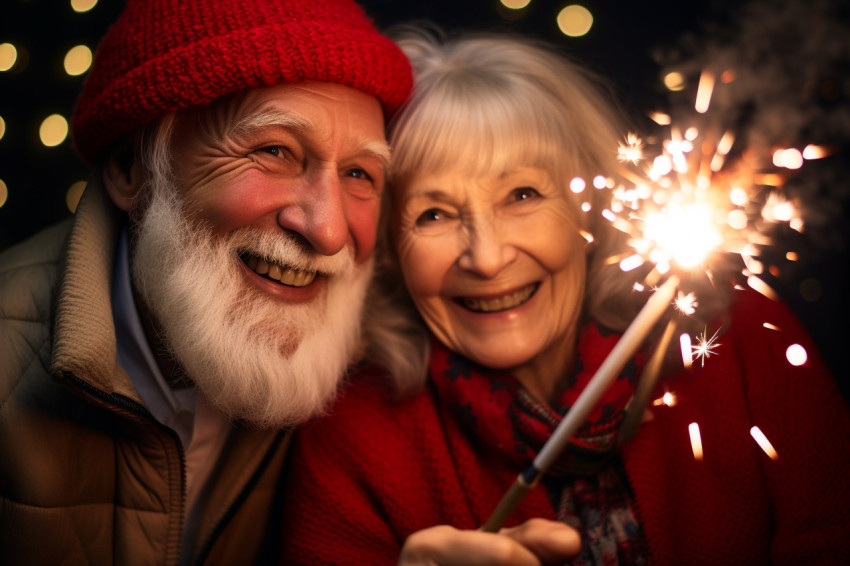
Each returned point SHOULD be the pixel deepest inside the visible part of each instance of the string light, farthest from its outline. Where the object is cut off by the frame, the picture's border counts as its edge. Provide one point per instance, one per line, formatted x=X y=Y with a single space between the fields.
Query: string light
x=53 y=130
x=575 y=20
x=72 y=197
x=515 y=4
x=674 y=81
x=78 y=60
x=8 y=56
x=81 y=6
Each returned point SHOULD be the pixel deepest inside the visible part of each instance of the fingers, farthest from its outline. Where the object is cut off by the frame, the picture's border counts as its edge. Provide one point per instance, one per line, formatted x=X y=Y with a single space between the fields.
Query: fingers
x=533 y=543
x=550 y=541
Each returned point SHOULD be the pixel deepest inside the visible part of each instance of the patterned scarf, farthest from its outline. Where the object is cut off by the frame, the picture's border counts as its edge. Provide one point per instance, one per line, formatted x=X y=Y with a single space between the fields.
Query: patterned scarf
x=587 y=484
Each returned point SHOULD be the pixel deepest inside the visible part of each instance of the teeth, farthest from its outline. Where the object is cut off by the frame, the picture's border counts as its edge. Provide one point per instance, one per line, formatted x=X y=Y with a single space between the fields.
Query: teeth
x=505 y=302
x=286 y=275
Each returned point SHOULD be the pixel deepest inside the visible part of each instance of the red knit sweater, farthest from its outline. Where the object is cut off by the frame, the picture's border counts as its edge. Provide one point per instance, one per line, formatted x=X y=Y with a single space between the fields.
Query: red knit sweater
x=378 y=470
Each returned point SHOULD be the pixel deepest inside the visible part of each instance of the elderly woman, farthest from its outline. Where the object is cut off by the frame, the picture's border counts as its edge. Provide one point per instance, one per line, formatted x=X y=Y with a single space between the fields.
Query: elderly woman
x=501 y=312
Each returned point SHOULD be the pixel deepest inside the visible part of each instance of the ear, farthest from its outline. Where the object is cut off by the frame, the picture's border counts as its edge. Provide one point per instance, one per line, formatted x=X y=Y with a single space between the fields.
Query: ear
x=122 y=184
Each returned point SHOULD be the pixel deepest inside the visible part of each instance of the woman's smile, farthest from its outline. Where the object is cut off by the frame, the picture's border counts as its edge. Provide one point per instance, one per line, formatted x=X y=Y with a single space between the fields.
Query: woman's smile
x=499 y=303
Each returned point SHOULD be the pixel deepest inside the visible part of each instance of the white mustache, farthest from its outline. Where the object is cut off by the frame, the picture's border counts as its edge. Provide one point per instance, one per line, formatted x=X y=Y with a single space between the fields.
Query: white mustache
x=287 y=250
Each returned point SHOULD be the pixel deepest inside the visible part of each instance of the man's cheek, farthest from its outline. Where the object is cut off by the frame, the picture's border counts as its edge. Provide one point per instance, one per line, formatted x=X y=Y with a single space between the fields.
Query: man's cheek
x=363 y=225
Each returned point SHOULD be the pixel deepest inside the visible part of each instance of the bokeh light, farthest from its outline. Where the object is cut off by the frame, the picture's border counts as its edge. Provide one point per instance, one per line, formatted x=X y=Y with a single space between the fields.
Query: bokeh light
x=8 y=56
x=72 y=197
x=575 y=20
x=738 y=196
x=81 y=6
x=789 y=158
x=796 y=355
x=78 y=60
x=577 y=185
x=696 y=441
x=2 y=127
x=53 y=130
x=515 y=4
x=4 y=193
x=674 y=81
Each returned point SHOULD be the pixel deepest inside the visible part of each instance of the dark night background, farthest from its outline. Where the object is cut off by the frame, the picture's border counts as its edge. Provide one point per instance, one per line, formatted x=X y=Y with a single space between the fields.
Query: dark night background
x=797 y=54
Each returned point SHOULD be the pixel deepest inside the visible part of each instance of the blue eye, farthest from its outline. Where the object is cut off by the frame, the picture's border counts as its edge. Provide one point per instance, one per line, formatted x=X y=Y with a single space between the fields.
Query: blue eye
x=358 y=173
x=271 y=150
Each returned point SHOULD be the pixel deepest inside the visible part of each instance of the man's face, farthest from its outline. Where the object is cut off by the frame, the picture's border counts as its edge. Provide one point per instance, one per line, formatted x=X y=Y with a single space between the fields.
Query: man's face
x=255 y=258
x=306 y=160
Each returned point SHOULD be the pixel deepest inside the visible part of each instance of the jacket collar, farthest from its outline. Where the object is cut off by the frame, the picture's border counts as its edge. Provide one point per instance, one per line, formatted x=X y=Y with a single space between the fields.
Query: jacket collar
x=84 y=333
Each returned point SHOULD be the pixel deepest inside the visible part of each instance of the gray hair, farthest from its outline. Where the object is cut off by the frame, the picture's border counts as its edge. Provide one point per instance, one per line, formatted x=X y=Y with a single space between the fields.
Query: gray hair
x=487 y=104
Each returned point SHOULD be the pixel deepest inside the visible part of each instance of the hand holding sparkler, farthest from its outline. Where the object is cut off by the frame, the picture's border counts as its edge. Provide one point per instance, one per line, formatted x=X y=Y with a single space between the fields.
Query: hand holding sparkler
x=677 y=212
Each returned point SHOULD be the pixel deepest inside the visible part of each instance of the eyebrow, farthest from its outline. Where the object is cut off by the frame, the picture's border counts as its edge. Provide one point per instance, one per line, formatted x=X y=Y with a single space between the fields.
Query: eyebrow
x=378 y=149
x=268 y=118
x=427 y=194
x=272 y=117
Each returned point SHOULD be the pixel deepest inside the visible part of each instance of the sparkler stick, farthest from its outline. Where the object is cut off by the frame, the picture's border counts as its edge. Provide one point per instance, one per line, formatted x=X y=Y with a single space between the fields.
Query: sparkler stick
x=575 y=417
x=648 y=379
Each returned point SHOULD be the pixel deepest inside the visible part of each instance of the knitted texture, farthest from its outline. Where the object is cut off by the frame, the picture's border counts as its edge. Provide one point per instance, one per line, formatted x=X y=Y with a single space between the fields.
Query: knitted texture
x=166 y=55
x=376 y=470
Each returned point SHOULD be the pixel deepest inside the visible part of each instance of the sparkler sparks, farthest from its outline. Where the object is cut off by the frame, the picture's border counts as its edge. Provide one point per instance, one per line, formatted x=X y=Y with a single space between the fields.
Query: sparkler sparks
x=696 y=441
x=687 y=350
x=668 y=399
x=631 y=150
x=705 y=347
x=696 y=198
x=796 y=355
x=764 y=443
x=686 y=304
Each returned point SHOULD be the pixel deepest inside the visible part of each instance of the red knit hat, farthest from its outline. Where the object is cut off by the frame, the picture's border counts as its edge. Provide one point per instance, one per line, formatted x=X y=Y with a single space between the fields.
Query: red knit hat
x=164 y=55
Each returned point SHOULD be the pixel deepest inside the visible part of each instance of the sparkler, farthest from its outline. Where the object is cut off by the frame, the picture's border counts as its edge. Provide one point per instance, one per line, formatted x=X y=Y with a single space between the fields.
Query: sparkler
x=619 y=356
x=705 y=346
x=686 y=213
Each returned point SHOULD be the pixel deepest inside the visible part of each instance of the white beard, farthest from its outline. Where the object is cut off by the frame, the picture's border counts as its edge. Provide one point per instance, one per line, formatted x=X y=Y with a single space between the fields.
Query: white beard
x=252 y=357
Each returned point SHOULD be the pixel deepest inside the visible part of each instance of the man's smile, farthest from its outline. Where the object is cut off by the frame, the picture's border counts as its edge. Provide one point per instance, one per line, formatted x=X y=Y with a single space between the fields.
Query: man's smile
x=277 y=272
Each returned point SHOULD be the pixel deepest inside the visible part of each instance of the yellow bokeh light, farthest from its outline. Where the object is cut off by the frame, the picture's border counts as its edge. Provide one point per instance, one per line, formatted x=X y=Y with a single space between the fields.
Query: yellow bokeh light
x=8 y=56
x=515 y=4
x=674 y=81
x=53 y=130
x=72 y=197
x=2 y=127
x=81 y=6
x=4 y=193
x=78 y=60
x=575 y=20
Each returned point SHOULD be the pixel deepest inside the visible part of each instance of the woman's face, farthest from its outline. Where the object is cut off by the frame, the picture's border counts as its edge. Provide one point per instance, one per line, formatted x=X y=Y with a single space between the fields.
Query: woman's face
x=495 y=265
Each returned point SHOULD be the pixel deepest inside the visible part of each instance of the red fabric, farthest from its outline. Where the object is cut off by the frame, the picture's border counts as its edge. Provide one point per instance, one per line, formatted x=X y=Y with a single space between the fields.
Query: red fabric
x=377 y=470
x=500 y=412
x=165 y=55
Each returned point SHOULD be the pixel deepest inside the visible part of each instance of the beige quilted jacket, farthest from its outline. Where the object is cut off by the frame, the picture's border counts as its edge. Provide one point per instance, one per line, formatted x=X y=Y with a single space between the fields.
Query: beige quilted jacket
x=87 y=476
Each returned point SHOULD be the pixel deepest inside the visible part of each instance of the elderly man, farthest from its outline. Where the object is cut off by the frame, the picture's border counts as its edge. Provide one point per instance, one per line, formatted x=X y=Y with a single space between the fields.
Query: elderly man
x=158 y=348
x=207 y=294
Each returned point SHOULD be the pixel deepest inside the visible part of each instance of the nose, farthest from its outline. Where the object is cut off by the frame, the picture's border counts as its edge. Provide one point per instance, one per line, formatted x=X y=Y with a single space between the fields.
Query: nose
x=487 y=250
x=318 y=213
